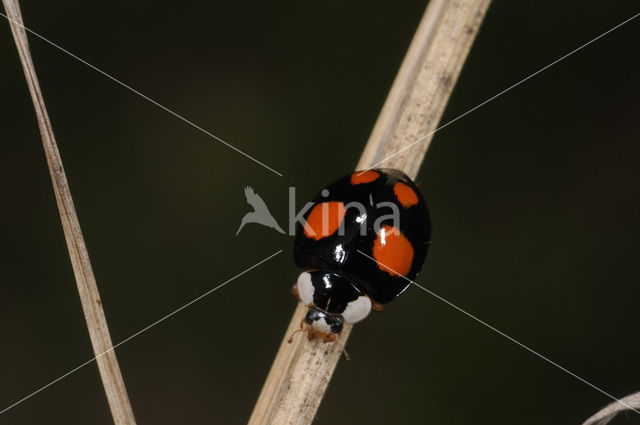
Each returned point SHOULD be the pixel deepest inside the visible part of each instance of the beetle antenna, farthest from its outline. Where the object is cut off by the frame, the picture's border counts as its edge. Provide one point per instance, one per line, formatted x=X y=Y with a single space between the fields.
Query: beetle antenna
x=290 y=340
x=302 y=328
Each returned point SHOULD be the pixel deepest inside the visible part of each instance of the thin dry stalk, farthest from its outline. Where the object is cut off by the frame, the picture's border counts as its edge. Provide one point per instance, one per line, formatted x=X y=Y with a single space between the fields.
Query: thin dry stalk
x=301 y=370
x=89 y=296
x=608 y=413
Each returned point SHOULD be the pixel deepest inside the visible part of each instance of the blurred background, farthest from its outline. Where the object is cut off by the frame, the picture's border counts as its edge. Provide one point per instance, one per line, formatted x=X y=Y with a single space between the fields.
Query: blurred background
x=534 y=201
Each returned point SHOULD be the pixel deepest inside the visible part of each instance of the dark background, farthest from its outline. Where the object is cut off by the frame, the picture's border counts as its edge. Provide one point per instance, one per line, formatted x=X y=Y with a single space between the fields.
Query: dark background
x=534 y=201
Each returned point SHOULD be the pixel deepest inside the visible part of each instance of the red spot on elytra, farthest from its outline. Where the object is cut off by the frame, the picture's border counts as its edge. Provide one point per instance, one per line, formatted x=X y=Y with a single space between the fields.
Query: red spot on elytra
x=393 y=251
x=406 y=196
x=360 y=177
x=324 y=220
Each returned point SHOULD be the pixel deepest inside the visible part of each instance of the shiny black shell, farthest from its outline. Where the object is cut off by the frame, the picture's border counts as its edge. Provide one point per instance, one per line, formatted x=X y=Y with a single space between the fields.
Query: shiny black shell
x=332 y=292
x=338 y=252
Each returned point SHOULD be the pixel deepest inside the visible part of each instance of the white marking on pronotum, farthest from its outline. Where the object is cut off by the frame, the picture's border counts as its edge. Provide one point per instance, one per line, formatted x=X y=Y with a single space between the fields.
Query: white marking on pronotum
x=305 y=288
x=357 y=309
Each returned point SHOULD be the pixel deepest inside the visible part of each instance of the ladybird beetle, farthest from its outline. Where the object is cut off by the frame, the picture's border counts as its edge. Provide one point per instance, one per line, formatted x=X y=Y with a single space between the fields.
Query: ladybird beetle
x=376 y=214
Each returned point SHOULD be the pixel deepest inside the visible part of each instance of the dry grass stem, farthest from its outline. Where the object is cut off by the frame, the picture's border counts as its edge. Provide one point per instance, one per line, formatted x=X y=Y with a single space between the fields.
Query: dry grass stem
x=301 y=371
x=89 y=296
x=608 y=413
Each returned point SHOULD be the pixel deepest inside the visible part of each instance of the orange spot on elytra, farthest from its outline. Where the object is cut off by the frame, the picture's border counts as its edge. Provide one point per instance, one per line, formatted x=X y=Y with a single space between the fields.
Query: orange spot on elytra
x=360 y=177
x=393 y=251
x=324 y=220
x=406 y=196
